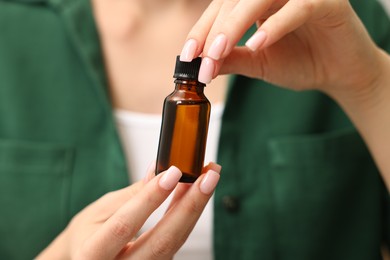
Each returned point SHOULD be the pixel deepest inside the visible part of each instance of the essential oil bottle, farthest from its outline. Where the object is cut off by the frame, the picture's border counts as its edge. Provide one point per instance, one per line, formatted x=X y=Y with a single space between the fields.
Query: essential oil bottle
x=185 y=122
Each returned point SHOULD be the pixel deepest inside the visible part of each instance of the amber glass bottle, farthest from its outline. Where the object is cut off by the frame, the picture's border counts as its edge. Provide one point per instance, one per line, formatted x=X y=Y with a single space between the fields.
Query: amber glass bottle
x=185 y=122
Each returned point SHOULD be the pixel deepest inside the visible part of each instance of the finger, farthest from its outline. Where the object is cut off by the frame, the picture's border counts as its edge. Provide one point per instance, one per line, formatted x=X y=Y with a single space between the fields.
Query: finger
x=210 y=62
x=108 y=204
x=182 y=188
x=232 y=26
x=212 y=166
x=234 y=19
x=257 y=64
x=118 y=230
x=201 y=32
x=243 y=61
x=163 y=241
x=104 y=207
x=150 y=172
x=289 y=18
x=193 y=46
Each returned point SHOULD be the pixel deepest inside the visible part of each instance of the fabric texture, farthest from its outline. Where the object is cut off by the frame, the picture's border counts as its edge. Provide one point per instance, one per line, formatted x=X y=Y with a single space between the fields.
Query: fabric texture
x=59 y=149
x=297 y=179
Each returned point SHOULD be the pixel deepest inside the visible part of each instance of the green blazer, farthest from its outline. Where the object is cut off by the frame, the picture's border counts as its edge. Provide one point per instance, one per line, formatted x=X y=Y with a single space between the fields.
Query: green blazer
x=297 y=181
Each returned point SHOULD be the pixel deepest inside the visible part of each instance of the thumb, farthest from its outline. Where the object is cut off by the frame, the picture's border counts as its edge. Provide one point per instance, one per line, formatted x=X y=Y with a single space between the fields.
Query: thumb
x=244 y=62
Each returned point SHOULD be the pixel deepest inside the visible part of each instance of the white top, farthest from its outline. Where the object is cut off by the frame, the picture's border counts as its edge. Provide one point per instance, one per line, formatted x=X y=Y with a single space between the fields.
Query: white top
x=139 y=133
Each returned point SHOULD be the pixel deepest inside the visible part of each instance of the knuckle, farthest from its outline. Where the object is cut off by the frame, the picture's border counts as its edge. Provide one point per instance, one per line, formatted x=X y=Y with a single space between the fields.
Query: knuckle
x=153 y=199
x=216 y=3
x=194 y=207
x=122 y=230
x=308 y=5
x=234 y=20
x=231 y=2
x=164 y=246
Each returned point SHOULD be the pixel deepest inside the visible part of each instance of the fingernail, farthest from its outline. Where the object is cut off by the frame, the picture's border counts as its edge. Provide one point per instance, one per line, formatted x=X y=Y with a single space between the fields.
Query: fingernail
x=150 y=172
x=217 y=47
x=189 y=49
x=206 y=70
x=209 y=182
x=170 y=178
x=215 y=167
x=256 y=40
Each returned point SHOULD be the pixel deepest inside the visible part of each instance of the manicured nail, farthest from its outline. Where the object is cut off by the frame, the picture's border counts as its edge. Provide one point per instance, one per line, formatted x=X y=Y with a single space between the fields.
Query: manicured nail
x=215 y=167
x=217 y=47
x=150 y=172
x=170 y=179
x=206 y=70
x=209 y=182
x=189 y=49
x=256 y=40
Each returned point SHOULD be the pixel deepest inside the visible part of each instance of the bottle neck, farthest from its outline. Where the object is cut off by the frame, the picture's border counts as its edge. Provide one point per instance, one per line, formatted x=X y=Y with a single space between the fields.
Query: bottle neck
x=189 y=85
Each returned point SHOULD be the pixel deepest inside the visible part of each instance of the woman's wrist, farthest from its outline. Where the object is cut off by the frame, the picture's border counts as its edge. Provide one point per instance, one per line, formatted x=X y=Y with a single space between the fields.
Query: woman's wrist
x=367 y=94
x=368 y=106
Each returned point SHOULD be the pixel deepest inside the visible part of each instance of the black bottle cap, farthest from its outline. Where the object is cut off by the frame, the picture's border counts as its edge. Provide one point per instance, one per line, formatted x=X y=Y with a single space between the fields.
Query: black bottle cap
x=187 y=70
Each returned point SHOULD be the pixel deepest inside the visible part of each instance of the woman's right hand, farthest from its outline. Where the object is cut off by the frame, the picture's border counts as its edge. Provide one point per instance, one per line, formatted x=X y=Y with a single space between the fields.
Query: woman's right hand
x=107 y=228
x=299 y=44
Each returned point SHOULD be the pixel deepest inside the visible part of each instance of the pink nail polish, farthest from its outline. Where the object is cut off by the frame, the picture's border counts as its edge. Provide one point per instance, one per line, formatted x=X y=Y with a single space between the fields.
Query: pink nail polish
x=189 y=50
x=215 y=167
x=170 y=178
x=256 y=40
x=206 y=70
x=209 y=182
x=217 y=47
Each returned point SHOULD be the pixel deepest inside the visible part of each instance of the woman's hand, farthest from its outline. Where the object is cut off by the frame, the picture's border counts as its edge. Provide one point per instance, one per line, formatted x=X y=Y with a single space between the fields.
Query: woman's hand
x=107 y=229
x=299 y=44
x=302 y=44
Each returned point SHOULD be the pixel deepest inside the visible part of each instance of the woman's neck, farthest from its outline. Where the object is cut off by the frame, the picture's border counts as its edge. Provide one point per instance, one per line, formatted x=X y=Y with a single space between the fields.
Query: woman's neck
x=140 y=47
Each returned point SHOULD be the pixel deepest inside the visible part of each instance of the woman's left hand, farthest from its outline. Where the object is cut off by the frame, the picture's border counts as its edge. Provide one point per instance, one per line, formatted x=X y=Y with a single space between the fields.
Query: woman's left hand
x=107 y=229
